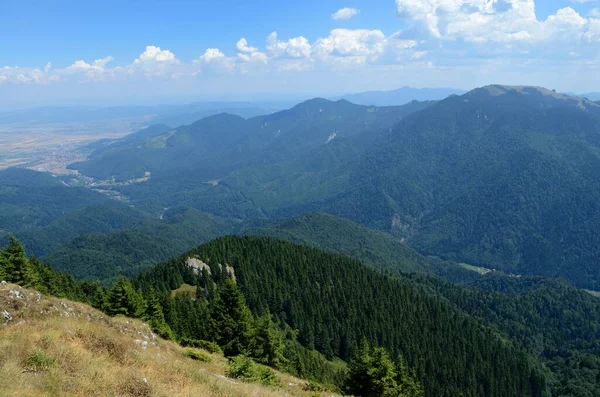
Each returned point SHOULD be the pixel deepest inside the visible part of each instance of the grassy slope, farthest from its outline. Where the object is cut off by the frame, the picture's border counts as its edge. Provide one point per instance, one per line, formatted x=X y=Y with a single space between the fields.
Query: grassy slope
x=82 y=352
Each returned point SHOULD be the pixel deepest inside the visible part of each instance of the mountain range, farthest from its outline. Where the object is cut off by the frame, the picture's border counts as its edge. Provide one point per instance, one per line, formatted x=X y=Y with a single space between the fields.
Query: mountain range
x=451 y=234
x=490 y=177
x=400 y=96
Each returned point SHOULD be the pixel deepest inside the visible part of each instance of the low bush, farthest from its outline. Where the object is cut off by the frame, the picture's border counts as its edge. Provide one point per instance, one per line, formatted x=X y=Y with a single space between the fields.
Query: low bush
x=244 y=368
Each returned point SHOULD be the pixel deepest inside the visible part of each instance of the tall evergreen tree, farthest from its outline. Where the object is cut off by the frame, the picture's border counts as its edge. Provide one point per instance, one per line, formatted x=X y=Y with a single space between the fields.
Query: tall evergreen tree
x=17 y=267
x=269 y=343
x=231 y=320
x=155 y=317
x=375 y=375
x=359 y=381
x=125 y=300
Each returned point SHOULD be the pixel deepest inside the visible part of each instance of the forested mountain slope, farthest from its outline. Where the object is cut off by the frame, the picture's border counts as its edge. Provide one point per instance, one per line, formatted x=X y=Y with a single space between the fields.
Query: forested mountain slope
x=551 y=319
x=552 y=322
x=102 y=256
x=46 y=213
x=105 y=256
x=505 y=177
x=334 y=302
x=372 y=247
x=218 y=144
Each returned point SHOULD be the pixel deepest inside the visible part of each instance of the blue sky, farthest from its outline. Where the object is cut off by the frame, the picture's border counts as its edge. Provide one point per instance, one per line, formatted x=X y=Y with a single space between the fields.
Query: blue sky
x=159 y=51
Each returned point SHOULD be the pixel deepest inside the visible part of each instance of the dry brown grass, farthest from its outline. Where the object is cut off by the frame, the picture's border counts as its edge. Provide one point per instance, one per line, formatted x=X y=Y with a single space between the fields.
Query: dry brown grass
x=55 y=347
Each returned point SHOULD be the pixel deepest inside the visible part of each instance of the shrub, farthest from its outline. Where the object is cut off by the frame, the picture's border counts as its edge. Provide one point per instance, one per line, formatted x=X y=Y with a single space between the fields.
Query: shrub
x=244 y=368
x=210 y=347
x=197 y=355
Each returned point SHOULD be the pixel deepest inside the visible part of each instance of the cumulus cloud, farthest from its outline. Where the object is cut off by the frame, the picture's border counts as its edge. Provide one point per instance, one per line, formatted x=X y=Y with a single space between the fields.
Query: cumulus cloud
x=438 y=32
x=297 y=47
x=499 y=21
x=215 y=61
x=155 y=54
x=95 y=71
x=351 y=43
x=27 y=75
x=345 y=13
x=249 y=54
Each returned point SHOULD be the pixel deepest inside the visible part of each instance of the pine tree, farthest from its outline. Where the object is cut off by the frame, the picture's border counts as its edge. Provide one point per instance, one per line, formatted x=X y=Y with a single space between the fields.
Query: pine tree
x=231 y=320
x=269 y=343
x=375 y=375
x=125 y=300
x=17 y=267
x=359 y=382
x=407 y=380
x=383 y=375
x=155 y=317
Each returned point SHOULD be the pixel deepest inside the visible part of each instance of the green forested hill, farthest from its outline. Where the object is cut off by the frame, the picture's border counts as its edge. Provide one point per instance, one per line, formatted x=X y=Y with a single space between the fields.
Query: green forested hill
x=373 y=248
x=33 y=199
x=334 y=302
x=104 y=257
x=105 y=218
x=551 y=319
x=502 y=177
x=214 y=146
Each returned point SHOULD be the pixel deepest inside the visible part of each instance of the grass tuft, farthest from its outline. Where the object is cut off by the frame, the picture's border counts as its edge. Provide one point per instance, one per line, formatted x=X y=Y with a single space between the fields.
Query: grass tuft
x=37 y=361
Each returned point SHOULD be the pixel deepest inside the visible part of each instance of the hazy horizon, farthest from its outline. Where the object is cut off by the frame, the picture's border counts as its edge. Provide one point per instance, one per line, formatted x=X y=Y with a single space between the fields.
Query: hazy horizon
x=159 y=52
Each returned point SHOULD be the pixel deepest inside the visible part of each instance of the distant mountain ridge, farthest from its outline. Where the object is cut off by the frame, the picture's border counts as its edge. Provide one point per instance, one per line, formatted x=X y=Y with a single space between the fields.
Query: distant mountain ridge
x=216 y=145
x=484 y=177
x=174 y=115
x=501 y=176
x=400 y=96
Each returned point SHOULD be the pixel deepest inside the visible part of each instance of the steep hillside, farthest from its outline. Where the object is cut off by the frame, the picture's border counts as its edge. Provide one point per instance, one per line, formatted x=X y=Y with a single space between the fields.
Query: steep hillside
x=501 y=177
x=46 y=213
x=504 y=177
x=52 y=346
x=212 y=147
x=334 y=302
x=373 y=248
x=105 y=256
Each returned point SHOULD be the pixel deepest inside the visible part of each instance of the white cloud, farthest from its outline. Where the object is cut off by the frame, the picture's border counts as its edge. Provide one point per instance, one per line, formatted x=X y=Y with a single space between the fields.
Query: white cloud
x=297 y=47
x=28 y=75
x=96 y=71
x=155 y=54
x=211 y=55
x=351 y=43
x=500 y=21
x=215 y=61
x=249 y=54
x=345 y=13
x=582 y=1
x=440 y=34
